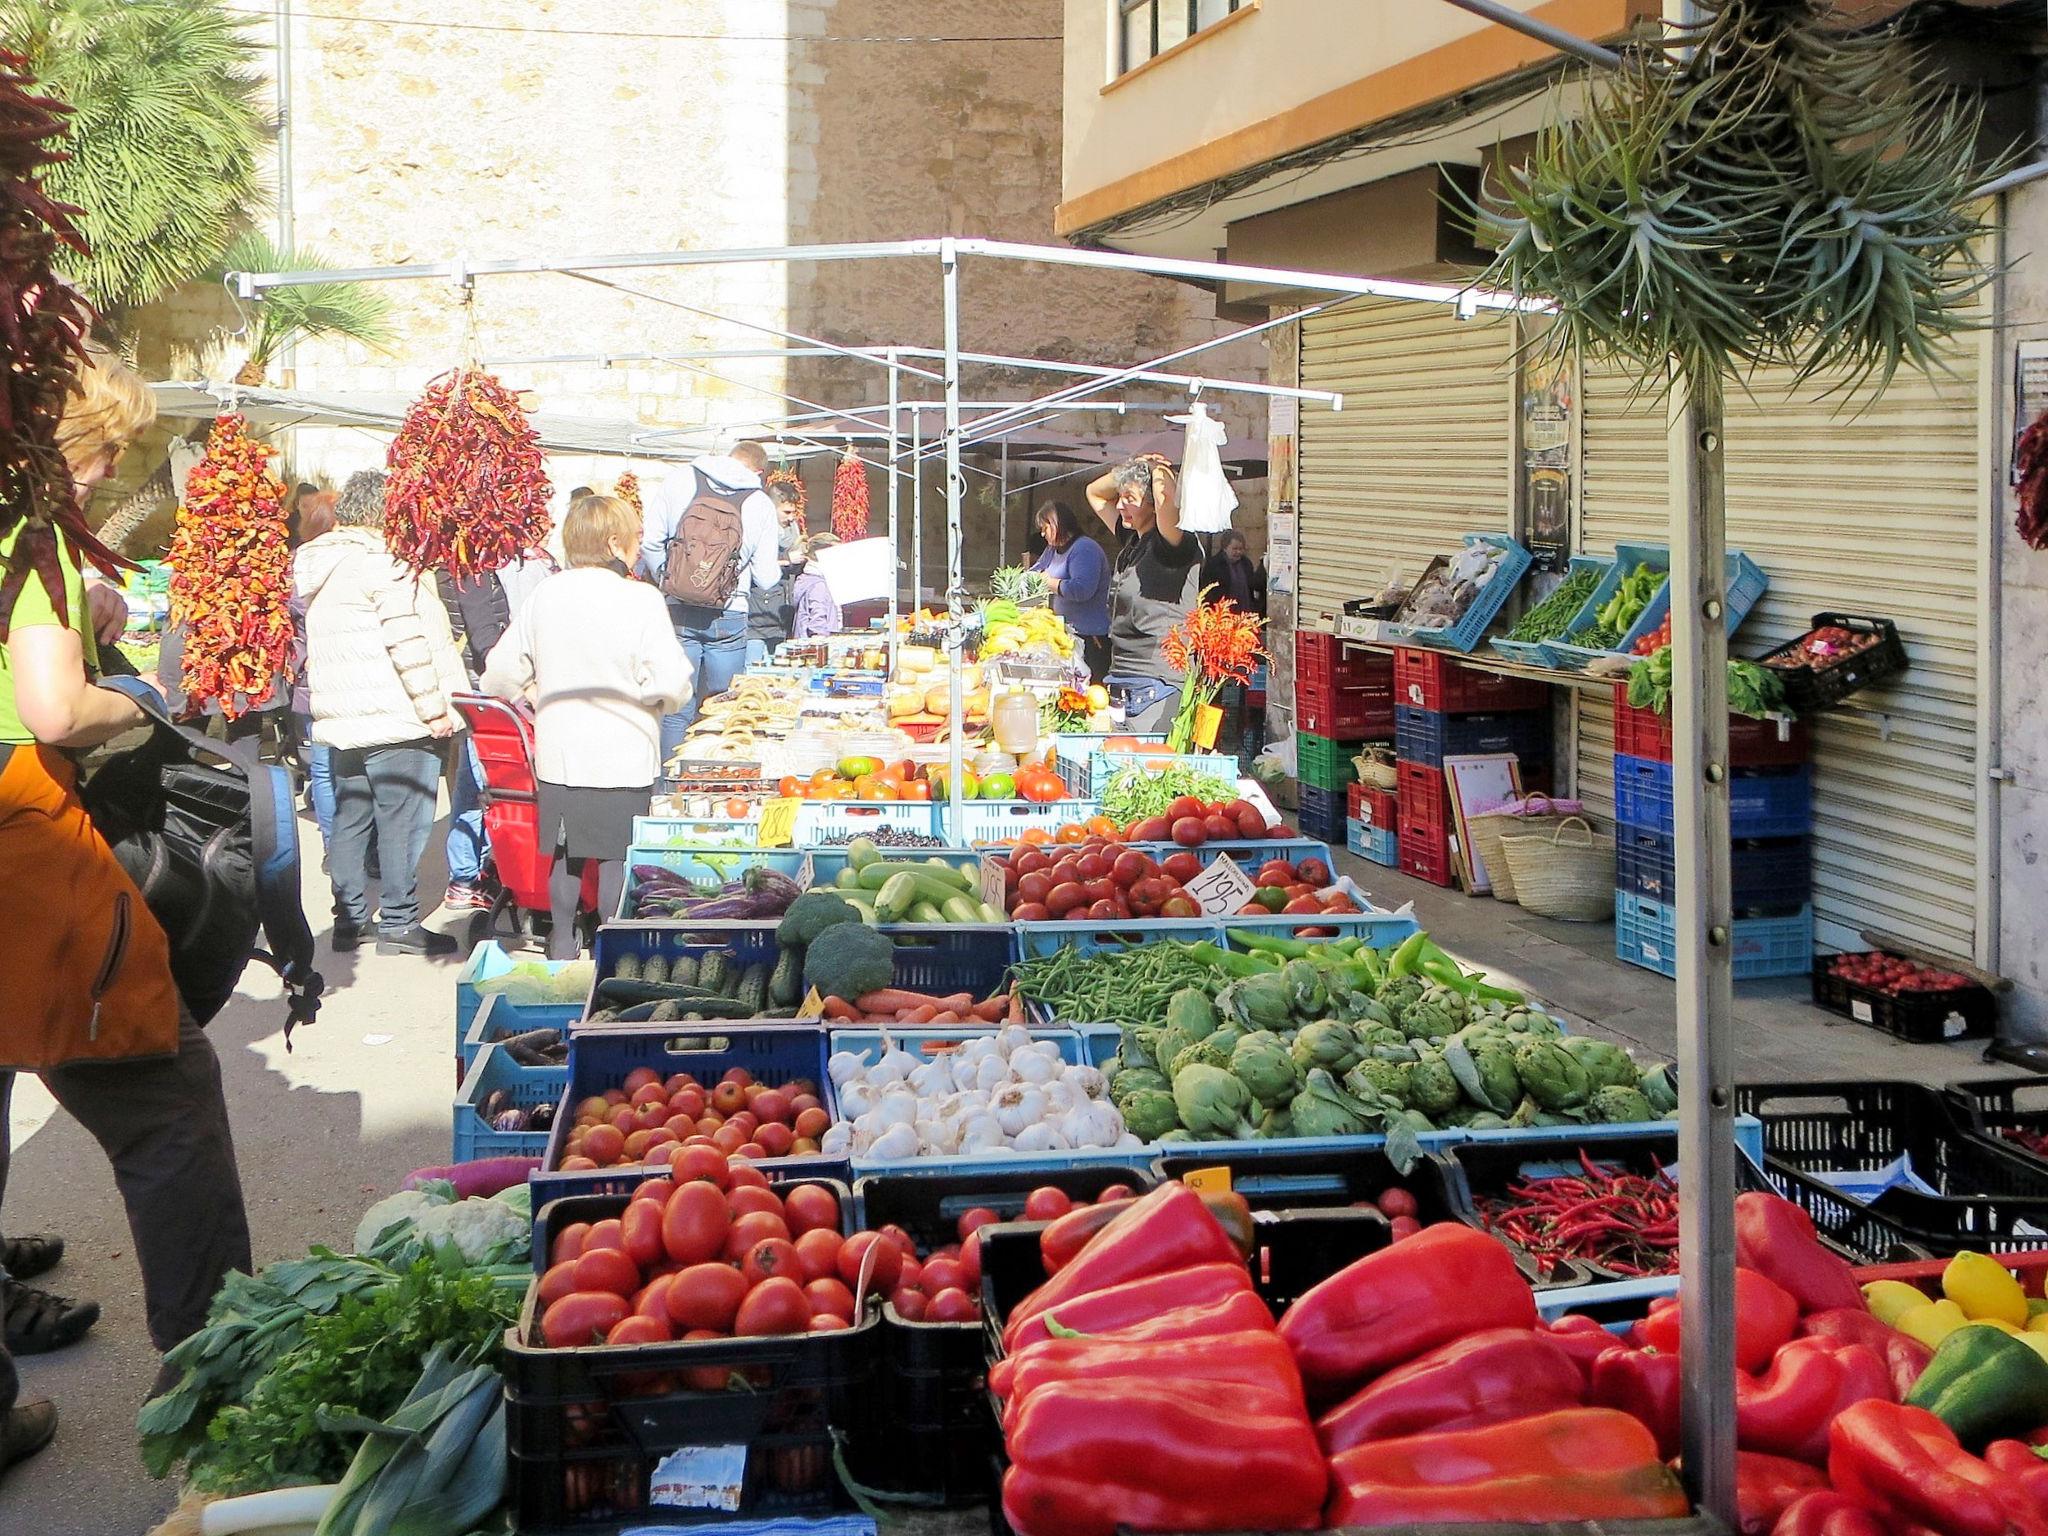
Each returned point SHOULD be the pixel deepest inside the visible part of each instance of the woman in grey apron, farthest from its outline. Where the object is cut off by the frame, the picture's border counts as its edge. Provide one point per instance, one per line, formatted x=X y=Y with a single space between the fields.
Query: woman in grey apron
x=1155 y=582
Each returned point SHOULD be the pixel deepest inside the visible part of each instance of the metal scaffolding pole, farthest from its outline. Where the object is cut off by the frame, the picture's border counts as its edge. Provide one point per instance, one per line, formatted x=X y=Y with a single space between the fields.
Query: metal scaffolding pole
x=916 y=511
x=1002 y=509
x=895 y=471
x=949 y=277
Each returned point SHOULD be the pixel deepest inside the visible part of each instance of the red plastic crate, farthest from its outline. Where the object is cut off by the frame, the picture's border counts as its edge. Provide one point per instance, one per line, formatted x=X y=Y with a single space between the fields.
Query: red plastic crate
x=1349 y=716
x=1320 y=661
x=1432 y=680
x=1376 y=808
x=1426 y=855
x=1425 y=800
x=1751 y=743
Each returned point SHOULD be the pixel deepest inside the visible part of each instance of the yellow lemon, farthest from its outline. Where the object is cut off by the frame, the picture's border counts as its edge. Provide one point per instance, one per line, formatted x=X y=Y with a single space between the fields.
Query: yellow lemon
x=1984 y=1288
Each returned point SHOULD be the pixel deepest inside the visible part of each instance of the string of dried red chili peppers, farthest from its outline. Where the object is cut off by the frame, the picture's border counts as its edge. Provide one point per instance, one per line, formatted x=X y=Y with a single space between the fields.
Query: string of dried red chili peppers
x=469 y=490
x=787 y=479
x=42 y=323
x=627 y=489
x=850 y=498
x=231 y=573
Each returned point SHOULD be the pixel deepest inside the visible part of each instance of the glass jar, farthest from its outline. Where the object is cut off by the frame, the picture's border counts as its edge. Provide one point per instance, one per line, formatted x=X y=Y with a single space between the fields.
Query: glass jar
x=1014 y=723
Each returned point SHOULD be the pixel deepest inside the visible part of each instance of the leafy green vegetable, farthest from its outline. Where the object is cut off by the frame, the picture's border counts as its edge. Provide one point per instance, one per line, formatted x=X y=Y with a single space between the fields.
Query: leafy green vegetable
x=1752 y=690
x=434 y=1467
x=1630 y=598
x=1548 y=619
x=1134 y=793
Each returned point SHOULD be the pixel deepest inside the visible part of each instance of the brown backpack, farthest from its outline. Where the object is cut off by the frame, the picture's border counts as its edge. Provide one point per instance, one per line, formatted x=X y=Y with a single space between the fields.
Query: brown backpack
x=704 y=555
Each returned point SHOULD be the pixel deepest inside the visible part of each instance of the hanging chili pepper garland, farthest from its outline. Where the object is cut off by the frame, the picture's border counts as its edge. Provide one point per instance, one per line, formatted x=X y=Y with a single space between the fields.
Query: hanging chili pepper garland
x=231 y=573
x=850 y=499
x=627 y=489
x=42 y=324
x=469 y=490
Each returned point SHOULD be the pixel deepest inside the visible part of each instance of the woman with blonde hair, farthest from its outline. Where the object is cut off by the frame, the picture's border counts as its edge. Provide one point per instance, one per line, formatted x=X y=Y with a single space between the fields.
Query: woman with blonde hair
x=89 y=1002
x=598 y=655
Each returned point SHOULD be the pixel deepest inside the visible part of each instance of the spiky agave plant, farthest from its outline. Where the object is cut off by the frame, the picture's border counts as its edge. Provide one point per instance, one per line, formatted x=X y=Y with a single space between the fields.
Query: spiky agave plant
x=1764 y=189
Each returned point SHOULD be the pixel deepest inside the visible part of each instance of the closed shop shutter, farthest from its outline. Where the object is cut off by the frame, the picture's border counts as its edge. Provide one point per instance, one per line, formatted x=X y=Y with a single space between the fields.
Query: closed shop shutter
x=1880 y=511
x=1418 y=456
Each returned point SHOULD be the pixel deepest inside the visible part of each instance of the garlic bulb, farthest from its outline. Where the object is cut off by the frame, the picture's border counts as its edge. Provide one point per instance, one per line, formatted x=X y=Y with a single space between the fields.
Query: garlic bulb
x=1016 y=1107
x=895 y=1144
x=837 y=1140
x=856 y=1099
x=1128 y=1142
x=1042 y=1137
x=1093 y=1124
x=981 y=1133
x=965 y=1068
x=1011 y=1039
x=991 y=1073
x=1032 y=1065
x=844 y=1067
x=933 y=1080
x=1060 y=1096
x=896 y=1064
x=896 y=1107
x=1088 y=1081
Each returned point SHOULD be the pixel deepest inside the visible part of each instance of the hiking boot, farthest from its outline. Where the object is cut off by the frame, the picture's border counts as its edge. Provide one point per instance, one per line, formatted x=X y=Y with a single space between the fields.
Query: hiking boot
x=23 y=1258
x=416 y=941
x=345 y=938
x=462 y=896
x=25 y=1429
x=38 y=1322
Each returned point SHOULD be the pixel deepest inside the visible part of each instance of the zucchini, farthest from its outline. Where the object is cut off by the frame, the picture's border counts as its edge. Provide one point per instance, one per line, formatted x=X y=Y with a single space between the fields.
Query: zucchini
x=959 y=909
x=899 y=893
x=639 y=1013
x=628 y=968
x=654 y=968
x=938 y=869
x=848 y=879
x=925 y=912
x=616 y=989
x=785 y=982
x=712 y=969
x=753 y=989
x=993 y=914
x=861 y=852
x=683 y=970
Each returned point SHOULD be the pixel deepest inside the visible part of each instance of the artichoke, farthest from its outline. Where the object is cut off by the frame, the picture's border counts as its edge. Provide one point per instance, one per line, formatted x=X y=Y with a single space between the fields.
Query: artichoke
x=1136 y=1080
x=1436 y=1012
x=1204 y=1053
x=1266 y=1068
x=1226 y=1036
x=1613 y=1105
x=1373 y=1076
x=1375 y=1036
x=1149 y=1114
x=1178 y=1133
x=1606 y=1064
x=1432 y=1087
x=1276 y=1124
x=1530 y=1021
x=1141 y=1047
x=1485 y=1070
x=1323 y=1108
x=1657 y=1087
x=1211 y=1102
x=1328 y=1044
x=1359 y=1009
x=1167 y=1046
x=1396 y=995
x=1191 y=1010
x=1485 y=1120
x=1257 y=1002
x=1407 y=1050
x=1552 y=1075
x=1306 y=994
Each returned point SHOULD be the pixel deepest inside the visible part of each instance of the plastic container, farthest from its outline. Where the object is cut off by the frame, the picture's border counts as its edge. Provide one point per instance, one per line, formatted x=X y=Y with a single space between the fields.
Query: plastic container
x=1093 y=773
x=1646 y=935
x=1484 y=1169
x=486 y=962
x=1426 y=855
x=829 y=818
x=1427 y=736
x=1808 y=688
x=1035 y=940
x=1322 y=660
x=975 y=822
x=1470 y=629
x=1536 y=653
x=588 y=1428
x=495 y=1019
x=692 y=832
x=1766 y=875
x=1249 y=853
x=1432 y=680
x=1375 y=807
x=1321 y=812
x=1424 y=799
x=704 y=865
x=1361 y=715
x=1762 y=802
x=1836 y=1127
x=1751 y=743
x=1324 y=763
x=1993 y=1107
x=1743 y=578
x=1074 y=754
x=1376 y=845
x=1926 y=1018
x=529 y=1087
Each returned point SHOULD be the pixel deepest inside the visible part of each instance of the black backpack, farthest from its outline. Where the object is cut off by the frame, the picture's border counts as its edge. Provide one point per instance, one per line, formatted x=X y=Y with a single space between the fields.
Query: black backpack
x=208 y=835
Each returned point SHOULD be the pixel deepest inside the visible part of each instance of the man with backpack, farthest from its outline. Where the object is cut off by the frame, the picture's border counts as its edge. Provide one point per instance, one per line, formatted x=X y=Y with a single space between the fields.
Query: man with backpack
x=708 y=541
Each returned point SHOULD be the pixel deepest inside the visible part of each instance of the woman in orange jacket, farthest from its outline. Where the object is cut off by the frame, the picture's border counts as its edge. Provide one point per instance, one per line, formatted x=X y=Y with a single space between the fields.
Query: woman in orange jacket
x=88 y=1001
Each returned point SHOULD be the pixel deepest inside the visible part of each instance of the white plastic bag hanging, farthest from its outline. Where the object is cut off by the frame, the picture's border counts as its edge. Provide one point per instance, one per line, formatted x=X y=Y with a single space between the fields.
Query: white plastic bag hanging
x=1206 y=499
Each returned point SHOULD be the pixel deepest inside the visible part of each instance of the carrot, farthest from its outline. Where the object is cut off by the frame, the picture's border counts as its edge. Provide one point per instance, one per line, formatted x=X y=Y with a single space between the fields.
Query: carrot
x=959 y=1002
x=992 y=1010
x=898 y=1000
x=1016 y=1006
x=923 y=1014
x=839 y=1008
x=945 y=1017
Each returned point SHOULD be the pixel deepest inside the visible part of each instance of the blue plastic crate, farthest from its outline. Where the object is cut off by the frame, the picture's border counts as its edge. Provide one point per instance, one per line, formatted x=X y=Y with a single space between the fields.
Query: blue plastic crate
x=1745 y=581
x=826 y=863
x=529 y=1087
x=974 y=822
x=692 y=832
x=1429 y=736
x=1646 y=935
x=1249 y=853
x=1536 y=653
x=1765 y=873
x=751 y=943
x=1087 y=776
x=1036 y=940
x=1379 y=930
x=1762 y=802
x=831 y=818
x=1377 y=845
x=1072 y=751
x=711 y=865
x=1321 y=812
x=1466 y=634
x=497 y=1018
x=486 y=962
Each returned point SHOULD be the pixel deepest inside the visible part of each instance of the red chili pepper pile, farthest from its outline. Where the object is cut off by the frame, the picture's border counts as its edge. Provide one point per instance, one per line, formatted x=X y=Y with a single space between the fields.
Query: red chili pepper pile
x=1624 y=1222
x=469 y=490
x=42 y=321
x=850 y=499
x=627 y=489
x=231 y=573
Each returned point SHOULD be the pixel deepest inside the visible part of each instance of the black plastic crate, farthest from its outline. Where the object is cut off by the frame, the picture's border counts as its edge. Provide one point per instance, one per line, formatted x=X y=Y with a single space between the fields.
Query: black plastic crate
x=1484 y=1169
x=1945 y=1225
x=1765 y=874
x=1808 y=688
x=1992 y=1107
x=1924 y=1018
x=1844 y=1126
x=1308 y=1181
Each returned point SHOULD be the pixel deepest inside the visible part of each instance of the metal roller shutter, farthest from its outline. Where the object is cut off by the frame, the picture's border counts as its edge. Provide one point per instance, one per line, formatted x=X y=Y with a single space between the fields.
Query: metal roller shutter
x=1880 y=511
x=1418 y=455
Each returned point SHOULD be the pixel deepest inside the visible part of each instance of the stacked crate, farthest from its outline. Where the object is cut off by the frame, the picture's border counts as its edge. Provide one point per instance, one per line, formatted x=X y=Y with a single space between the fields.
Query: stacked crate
x=1340 y=702
x=1444 y=710
x=1372 y=827
x=1770 y=861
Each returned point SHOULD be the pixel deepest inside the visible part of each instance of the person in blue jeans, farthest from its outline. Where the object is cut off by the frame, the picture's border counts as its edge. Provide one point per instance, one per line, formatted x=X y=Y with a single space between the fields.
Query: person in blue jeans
x=714 y=642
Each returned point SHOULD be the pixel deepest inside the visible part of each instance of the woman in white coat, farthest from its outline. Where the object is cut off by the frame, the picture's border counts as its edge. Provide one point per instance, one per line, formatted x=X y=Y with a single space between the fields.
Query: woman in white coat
x=598 y=654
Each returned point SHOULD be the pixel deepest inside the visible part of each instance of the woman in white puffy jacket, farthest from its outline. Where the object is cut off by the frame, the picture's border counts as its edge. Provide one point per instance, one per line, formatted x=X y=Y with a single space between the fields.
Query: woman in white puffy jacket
x=381 y=665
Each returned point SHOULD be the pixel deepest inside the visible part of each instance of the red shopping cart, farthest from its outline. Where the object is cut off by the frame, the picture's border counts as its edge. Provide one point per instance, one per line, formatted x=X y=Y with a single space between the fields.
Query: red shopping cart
x=510 y=792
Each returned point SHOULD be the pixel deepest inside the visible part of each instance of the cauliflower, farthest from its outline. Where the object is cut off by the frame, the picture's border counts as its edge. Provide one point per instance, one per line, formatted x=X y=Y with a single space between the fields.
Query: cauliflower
x=484 y=1232
x=400 y=1210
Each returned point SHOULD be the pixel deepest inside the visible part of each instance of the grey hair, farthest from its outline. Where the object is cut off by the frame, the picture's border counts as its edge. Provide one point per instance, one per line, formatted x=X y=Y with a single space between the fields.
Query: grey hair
x=1133 y=475
x=362 y=500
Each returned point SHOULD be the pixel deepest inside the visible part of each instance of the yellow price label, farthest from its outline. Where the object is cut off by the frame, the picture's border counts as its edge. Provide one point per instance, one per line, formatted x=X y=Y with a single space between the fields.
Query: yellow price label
x=813 y=1006
x=1207 y=1181
x=778 y=822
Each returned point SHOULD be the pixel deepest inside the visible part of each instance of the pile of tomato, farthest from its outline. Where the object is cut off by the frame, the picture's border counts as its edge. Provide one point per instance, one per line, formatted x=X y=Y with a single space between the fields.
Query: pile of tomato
x=1096 y=879
x=868 y=778
x=1295 y=889
x=1894 y=974
x=1656 y=639
x=648 y=1118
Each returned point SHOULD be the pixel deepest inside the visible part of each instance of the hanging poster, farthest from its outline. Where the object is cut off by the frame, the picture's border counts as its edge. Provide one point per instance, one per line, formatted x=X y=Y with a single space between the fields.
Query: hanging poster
x=1282 y=533
x=1547 y=405
x=2029 y=394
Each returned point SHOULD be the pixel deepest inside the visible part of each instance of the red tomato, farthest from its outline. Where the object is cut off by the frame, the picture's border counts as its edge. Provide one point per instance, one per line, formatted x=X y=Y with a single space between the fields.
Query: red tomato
x=706 y=1296
x=1219 y=828
x=818 y=1252
x=1103 y=912
x=952 y=1306
x=581 y=1317
x=606 y=1269
x=773 y=1104
x=1183 y=806
x=638 y=1078
x=773 y=1307
x=911 y=1274
x=1314 y=872
x=695 y=1224
x=640 y=1229
x=1031 y=912
x=972 y=1221
x=1059 y=901
x=871 y=1257
x=746 y=1176
x=568 y=1243
x=970 y=1261
x=770 y=1257
x=905 y=1243
x=653 y=1298
x=942 y=1275
x=1189 y=832
x=749 y=1198
x=810 y=1208
x=909 y=1305
x=1048 y=1202
x=1302 y=906
x=657 y=1190
x=754 y=1227
x=831 y=1296
x=1182 y=906
x=558 y=1282
x=1181 y=867
x=605 y=1144
x=705 y=1163
x=1030 y=861
x=1092 y=866
x=639 y=1328
x=605 y=1234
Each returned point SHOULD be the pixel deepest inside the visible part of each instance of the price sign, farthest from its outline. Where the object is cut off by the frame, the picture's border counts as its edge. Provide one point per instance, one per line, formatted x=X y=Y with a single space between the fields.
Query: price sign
x=700 y=1477
x=813 y=1006
x=778 y=822
x=992 y=885
x=1222 y=888
x=806 y=872
x=1207 y=1181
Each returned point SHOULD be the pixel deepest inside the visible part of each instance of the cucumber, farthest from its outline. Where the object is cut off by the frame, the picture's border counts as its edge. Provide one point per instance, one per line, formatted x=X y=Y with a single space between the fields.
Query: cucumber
x=683 y=970
x=628 y=968
x=618 y=989
x=654 y=968
x=785 y=982
x=753 y=989
x=666 y=1012
x=603 y=1016
x=712 y=971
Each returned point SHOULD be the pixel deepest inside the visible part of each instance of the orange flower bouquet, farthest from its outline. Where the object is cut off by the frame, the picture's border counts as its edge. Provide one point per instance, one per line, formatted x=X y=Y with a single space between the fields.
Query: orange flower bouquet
x=1216 y=643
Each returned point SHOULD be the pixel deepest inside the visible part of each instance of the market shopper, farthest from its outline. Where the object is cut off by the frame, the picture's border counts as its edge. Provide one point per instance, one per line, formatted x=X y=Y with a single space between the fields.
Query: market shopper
x=381 y=665
x=1231 y=572
x=1077 y=572
x=817 y=610
x=769 y=608
x=600 y=657
x=1153 y=584
x=124 y=1056
x=709 y=514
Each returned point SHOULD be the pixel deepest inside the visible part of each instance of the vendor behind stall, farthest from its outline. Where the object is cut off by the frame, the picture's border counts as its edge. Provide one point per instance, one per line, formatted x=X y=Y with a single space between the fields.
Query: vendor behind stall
x=1077 y=572
x=1154 y=583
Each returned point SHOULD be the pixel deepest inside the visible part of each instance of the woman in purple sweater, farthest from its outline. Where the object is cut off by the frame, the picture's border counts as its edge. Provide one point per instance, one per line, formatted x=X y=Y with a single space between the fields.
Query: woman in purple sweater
x=1077 y=572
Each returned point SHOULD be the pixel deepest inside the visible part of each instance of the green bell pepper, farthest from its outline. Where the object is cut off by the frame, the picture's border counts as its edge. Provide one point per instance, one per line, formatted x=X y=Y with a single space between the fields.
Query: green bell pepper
x=1984 y=1384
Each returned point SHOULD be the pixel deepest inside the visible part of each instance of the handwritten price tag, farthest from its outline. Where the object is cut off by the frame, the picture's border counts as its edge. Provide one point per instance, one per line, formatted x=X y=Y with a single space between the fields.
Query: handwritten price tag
x=1222 y=888
x=778 y=822
x=1207 y=1181
x=992 y=885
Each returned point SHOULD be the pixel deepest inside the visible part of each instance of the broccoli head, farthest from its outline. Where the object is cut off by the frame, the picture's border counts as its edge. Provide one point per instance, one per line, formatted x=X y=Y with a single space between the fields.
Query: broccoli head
x=811 y=914
x=849 y=960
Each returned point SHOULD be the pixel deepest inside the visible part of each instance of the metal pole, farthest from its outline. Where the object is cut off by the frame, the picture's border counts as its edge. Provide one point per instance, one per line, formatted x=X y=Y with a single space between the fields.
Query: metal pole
x=949 y=277
x=916 y=511
x=1002 y=508
x=1556 y=37
x=895 y=470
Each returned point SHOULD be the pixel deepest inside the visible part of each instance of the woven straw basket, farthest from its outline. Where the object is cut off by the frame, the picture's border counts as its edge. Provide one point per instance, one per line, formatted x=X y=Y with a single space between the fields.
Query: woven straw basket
x=1565 y=873
x=1489 y=827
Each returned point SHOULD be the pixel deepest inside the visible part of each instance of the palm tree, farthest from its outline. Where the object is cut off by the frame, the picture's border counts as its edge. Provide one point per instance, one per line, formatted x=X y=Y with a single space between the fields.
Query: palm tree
x=350 y=311
x=167 y=128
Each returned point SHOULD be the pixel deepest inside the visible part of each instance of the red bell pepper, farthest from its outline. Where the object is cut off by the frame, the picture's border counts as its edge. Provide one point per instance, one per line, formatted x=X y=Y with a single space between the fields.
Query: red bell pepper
x=1134 y=1302
x=1164 y=1454
x=2022 y=1463
x=1766 y=1317
x=1788 y=1409
x=1776 y=1238
x=1238 y=1312
x=1446 y=1281
x=1827 y=1514
x=1644 y=1384
x=1905 y=1358
x=1065 y=1237
x=1766 y=1486
x=1255 y=1361
x=1581 y=1338
x=1576 y=1464
x=1484 y=1378
x=1167 y=1230
x=1903 y=1464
